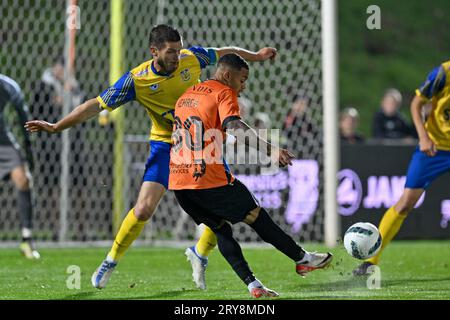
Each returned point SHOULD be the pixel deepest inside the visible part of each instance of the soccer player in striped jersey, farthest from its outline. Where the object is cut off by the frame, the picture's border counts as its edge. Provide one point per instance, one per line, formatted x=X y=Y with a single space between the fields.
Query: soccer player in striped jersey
x=156 y=84
x=430 y=159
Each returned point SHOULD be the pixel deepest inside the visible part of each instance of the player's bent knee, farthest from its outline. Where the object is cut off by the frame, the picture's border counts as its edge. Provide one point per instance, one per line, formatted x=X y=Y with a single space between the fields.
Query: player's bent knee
x=144 y=211
x=20 y=179
x=252 y=215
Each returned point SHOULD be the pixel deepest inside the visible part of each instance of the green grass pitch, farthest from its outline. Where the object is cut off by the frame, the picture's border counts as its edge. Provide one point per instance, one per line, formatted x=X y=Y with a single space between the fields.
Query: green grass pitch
x=409 y=270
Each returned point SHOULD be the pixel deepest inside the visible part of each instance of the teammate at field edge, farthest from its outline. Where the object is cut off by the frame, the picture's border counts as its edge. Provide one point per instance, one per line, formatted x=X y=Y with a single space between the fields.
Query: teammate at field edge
x=430 y=160
x=11 y=163
x=203 y=183
x=156 y=84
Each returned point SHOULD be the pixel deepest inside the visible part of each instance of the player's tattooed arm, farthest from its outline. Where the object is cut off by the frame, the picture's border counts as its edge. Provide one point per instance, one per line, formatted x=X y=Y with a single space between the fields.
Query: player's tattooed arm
x=251 y=137
x=78 y=115
x=237 y=126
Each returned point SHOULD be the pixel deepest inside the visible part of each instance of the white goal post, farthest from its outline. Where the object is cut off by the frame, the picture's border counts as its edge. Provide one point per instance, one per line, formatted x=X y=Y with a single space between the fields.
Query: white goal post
x=331 y=143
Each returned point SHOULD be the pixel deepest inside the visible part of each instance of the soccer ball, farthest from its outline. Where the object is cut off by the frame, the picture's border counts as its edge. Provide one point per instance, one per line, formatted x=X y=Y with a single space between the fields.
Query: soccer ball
x=362 y=240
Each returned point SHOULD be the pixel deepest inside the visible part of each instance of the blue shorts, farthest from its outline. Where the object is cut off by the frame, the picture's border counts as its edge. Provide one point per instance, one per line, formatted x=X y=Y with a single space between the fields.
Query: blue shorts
x=157 y=166
x=424 y=169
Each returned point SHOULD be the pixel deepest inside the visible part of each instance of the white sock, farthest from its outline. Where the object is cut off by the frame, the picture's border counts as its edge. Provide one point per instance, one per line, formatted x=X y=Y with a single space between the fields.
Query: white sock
x=255 y=284
x=306 y=258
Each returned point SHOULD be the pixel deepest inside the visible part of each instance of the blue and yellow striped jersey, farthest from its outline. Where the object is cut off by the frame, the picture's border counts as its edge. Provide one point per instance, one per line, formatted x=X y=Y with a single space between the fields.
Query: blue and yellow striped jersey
x=156 y=92
x=437 y=89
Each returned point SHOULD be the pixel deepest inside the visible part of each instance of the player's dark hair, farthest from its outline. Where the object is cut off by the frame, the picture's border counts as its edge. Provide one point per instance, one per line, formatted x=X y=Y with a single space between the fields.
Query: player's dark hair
x=161 y=34
x=233 y=61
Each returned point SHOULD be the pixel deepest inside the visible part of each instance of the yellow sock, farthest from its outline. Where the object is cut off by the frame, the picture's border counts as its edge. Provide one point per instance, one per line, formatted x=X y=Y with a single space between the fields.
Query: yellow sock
x=130 y=229
x=206 y=243
x=389 y=226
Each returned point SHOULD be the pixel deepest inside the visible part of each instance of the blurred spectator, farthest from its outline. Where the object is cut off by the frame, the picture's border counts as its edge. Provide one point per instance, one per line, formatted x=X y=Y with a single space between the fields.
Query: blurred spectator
x=348 y=124
x=49 y=92
x=48 y=101
x=388 y=123
x=298 y=129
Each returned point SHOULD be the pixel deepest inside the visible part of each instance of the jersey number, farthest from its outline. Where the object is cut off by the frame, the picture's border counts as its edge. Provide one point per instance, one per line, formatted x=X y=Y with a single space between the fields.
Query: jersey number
x=191 y=131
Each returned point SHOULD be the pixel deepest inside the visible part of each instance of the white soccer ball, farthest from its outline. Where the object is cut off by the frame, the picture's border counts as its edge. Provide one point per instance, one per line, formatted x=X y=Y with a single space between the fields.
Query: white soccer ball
x=362 y=240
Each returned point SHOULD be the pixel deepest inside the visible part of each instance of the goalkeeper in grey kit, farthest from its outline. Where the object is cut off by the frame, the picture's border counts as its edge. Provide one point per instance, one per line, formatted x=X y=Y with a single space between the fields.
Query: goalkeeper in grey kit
x=13 y=164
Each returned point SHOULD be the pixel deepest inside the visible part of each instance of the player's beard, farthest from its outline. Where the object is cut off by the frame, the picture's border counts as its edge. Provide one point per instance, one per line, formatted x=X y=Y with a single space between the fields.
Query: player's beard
x=167 y=68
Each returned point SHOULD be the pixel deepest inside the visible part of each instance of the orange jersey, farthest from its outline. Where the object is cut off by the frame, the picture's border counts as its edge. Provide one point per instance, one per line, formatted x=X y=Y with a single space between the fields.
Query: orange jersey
x=196 y=158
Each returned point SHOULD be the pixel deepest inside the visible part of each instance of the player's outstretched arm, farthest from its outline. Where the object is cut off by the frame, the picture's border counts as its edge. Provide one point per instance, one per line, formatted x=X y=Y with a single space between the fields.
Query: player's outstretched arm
x=261 y=55
x=80 y=114
x=284 y=156
x=425 y=143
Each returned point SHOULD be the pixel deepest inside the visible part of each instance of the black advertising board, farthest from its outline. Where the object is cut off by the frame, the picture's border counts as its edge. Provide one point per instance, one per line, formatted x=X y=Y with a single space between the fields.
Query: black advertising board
x=371 y=180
